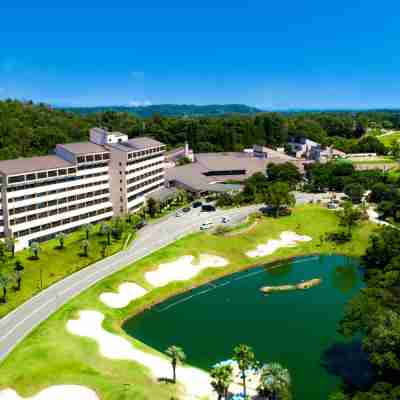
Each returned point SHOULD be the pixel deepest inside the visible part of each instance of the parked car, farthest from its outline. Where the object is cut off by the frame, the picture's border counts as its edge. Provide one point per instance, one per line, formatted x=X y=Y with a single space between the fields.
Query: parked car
x=186 y=209
x=208 y=207
x=225 y=220
x=206 y=225
x=141 y=224
x=332 y=205
x=197 y=204
x=178 y=214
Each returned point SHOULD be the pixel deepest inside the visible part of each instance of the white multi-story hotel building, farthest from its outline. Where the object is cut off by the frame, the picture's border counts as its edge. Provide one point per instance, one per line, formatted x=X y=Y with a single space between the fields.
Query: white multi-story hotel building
x=81 y=183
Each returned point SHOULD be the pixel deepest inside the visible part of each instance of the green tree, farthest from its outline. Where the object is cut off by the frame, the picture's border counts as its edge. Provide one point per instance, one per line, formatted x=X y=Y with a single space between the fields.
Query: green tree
x=221 y=378
x=105 y=229
x=34 y=248
x=177 y=356
x=286 y=172
x=277 y=195
x=85 y=247
x=10 y=243
x=18 y=273
x=152 y=207
x=61 y=239
x=87 y=228
x=4 y=282
x=355 y=191
x=349 y=216
x=246 y=360
x=274 y=381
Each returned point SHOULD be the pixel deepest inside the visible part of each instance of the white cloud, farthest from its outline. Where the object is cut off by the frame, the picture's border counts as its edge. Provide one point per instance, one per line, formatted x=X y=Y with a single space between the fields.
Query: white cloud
x=140 y=103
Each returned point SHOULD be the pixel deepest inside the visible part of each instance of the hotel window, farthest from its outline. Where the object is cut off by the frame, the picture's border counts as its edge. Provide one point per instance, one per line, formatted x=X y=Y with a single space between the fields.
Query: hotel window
x=80 y=159
x=30 y=177
x=52 y=173
x=89 y=158
x=72 y=170
x=98 y=157
x=16 y=179
x=42 y=175
x=62 y=172
x=106 y=156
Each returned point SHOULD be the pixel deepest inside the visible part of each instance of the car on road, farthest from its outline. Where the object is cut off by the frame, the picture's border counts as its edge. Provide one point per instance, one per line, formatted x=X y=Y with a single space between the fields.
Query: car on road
x=178 y=214
x=225 y=220
x=141 y=224
x=197 y=204
x=208 y=208
x=186 y=209
x=206 y=225
x=332 y=206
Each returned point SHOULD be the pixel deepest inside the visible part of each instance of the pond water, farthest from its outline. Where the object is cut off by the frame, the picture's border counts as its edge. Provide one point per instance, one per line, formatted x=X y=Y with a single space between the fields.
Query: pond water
x=297 y=329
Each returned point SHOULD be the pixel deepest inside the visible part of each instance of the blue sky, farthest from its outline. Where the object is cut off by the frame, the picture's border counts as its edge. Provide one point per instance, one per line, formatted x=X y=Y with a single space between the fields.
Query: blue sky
x=271 y=54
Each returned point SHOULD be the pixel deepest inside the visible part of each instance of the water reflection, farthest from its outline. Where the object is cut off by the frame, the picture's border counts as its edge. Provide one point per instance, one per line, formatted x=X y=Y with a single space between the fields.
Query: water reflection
x=345 y=278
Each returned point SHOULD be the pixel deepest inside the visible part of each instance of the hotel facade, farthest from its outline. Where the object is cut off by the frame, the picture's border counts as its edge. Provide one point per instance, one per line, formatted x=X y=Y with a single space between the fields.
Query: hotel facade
x=81 y=183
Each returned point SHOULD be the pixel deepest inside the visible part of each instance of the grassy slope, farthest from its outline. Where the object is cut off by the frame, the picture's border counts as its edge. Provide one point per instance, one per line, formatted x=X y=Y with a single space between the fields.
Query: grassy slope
x=50 y=355
x=55 y=264
x=388 y=139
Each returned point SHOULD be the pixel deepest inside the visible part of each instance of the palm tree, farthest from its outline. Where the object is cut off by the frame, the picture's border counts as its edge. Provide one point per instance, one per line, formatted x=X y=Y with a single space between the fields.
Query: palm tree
x=274 y=381
x=105 y=229
x=35 y=249
x=18 y=273
x=222 y=377
x=87 y=228
x=61 y=239
x=85 y=247
x=10 y=243
x=177 y=355
x=4 y=280
x=246 y=360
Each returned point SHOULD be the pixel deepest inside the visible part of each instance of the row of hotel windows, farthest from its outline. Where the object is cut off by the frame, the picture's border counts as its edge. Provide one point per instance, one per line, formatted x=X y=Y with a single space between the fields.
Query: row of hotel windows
x=145 y=152
x=41 y=175
x=145 y=183
x=150 y=189
x=90 y=166
x=61 y=190
x=146 y=175
x=93 y=157
x=62 y=210
x=47 y=183
x=143 y=159
x=132 y=171
x=62 y=222
x=52 y=203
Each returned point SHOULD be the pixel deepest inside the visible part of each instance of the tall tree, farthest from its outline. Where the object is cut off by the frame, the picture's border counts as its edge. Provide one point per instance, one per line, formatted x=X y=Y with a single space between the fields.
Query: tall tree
x=177 y=356
x=278 y=194
x=246 y=360
x=221 y=378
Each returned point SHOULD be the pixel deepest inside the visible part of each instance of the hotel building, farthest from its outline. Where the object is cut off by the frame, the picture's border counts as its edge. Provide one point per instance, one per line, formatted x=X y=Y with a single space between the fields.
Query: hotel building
x=81 y=183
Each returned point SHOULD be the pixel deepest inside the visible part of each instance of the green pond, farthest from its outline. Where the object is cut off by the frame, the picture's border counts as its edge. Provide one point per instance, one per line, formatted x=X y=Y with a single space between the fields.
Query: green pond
x=297 y=328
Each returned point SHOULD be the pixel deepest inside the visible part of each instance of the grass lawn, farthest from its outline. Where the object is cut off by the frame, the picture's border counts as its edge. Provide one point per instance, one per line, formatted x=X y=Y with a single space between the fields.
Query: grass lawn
x=387 y=140
x=55 y=263
x=51 y=356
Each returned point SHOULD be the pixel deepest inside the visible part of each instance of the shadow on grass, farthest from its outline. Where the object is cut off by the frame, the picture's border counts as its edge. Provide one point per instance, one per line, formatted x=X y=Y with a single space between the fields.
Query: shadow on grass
x=166 y=380
x=350 y=363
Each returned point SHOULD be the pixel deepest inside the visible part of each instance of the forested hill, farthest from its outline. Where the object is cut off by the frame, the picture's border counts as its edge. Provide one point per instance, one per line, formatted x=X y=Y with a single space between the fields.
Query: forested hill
x=172 y=110
x=28 y=129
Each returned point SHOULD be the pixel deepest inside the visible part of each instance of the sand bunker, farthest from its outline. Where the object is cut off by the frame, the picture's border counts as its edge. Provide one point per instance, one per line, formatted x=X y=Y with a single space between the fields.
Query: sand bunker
x=287 y=239
x=62 y=392
x=182 y=269
x=374 y=217
x=300 y=286
x=127 y=292
x=89 y=324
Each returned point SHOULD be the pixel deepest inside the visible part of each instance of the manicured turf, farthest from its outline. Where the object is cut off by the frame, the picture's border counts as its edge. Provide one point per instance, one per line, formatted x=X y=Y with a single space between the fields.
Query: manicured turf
x=387 y=140
x=55 y=263
x=50 y=355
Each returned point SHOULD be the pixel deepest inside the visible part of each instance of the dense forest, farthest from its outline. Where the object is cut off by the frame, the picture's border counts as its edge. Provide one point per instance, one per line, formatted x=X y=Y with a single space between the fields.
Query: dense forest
x=28 y=129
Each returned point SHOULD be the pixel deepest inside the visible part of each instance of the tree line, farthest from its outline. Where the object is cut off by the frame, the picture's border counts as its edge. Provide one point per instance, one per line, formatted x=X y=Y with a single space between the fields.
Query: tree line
x=28 y=129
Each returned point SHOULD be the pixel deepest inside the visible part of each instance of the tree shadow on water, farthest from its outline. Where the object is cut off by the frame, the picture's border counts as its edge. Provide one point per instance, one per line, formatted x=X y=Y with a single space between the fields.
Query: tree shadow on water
x=348 y=361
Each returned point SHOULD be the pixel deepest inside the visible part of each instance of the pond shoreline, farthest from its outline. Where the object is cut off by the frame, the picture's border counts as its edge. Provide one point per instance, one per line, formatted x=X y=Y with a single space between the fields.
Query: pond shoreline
x=268 y=266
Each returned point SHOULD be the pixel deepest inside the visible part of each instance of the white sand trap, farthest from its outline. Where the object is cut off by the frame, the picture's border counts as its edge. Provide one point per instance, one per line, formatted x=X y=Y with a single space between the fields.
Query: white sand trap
x=127 y=292
x=89 y=324
x=288 y=239
x=62 y=392
x=183 y=269
x=374 y=217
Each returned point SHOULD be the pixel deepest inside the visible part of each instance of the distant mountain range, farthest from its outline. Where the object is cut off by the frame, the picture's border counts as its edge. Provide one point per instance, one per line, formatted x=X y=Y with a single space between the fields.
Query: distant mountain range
x=177 y=110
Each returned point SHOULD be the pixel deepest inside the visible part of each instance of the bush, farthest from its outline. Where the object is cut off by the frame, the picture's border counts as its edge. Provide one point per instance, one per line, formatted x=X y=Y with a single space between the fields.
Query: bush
x=339 y=237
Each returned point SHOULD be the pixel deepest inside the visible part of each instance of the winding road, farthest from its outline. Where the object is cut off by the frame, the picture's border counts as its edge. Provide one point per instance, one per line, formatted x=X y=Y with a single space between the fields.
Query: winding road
x=15 y=326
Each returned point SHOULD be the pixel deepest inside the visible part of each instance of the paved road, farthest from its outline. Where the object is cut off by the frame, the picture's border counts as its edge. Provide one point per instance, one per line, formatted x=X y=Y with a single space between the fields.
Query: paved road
x=18 y=324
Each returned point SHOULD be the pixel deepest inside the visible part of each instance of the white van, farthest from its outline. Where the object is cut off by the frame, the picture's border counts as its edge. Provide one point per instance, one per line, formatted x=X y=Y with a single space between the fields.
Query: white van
x=206 y=225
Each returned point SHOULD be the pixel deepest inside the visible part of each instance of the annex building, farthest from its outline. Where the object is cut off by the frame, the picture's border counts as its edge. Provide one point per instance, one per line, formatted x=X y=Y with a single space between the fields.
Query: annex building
x=80 y=183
